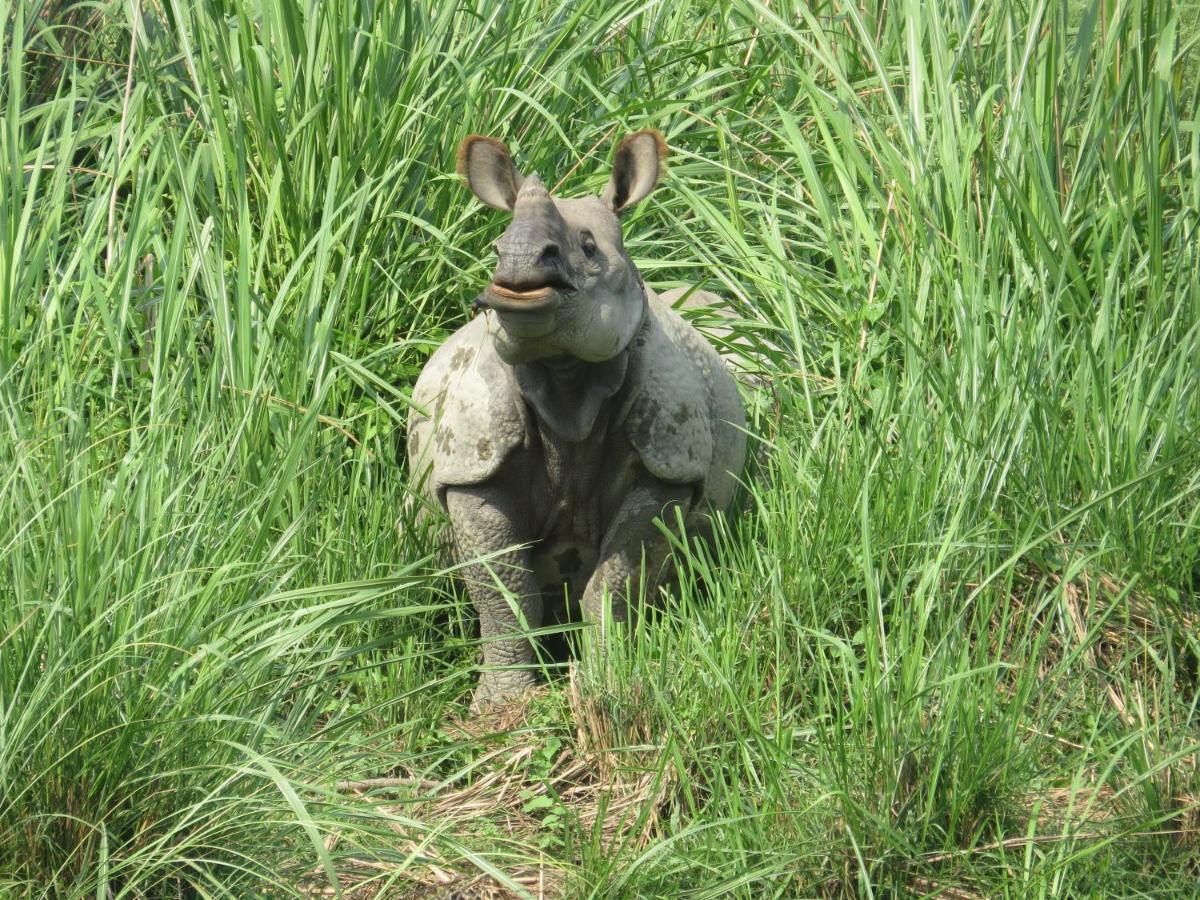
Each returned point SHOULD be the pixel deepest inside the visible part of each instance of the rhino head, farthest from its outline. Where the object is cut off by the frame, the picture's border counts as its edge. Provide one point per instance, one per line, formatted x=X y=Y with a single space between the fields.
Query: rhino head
x=563 y=287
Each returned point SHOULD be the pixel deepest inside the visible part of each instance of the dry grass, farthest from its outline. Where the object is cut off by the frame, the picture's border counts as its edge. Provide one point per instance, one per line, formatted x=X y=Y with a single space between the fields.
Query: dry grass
x=612 y=796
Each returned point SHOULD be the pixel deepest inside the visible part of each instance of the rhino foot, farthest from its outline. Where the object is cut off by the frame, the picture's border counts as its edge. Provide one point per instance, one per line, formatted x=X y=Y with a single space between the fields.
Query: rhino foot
x=498 y=688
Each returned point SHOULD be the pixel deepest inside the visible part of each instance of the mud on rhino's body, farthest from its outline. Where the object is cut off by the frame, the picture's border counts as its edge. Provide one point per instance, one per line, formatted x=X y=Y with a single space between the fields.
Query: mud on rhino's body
x=568 y=424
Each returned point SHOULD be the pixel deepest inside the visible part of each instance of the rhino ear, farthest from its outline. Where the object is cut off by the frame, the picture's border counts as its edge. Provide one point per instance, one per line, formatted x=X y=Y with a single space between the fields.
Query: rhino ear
x=639 y=162
x=488 y=168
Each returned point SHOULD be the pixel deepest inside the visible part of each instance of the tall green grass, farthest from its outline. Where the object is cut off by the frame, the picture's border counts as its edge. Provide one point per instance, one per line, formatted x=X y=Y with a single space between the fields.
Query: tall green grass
x=950 y=642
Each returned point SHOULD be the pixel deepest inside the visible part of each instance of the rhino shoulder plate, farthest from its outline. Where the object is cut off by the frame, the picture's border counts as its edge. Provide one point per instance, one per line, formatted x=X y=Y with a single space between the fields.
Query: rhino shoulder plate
x=671 y=406
x=466 y=416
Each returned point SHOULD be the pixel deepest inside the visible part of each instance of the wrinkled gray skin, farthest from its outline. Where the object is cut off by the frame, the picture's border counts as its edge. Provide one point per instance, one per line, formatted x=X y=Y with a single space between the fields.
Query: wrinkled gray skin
x=569 y=416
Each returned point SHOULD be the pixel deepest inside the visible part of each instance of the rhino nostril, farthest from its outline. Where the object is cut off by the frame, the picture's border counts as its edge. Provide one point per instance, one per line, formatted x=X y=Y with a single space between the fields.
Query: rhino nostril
x=549 y=255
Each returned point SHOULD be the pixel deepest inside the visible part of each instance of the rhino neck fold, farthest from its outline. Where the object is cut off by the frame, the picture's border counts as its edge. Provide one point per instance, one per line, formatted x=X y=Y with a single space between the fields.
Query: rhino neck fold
x=567 y=394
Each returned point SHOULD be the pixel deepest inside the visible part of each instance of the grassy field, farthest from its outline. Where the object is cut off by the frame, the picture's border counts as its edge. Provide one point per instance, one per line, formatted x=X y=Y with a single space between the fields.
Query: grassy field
x=949 y=647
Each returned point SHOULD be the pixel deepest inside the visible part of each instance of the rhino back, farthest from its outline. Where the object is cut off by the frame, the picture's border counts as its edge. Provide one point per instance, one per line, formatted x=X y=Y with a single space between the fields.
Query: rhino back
x=684 y=415
x=466 y=415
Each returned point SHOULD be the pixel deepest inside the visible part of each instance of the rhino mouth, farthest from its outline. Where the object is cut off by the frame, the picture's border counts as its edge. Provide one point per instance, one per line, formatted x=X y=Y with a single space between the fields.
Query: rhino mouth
x=526 y=297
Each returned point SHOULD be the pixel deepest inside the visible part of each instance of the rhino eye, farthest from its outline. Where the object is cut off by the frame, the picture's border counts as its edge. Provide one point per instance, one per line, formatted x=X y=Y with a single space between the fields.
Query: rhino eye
x=588 y=243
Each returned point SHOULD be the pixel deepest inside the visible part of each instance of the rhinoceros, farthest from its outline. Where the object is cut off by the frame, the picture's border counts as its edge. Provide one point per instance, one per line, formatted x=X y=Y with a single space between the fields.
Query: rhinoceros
x=577 y=409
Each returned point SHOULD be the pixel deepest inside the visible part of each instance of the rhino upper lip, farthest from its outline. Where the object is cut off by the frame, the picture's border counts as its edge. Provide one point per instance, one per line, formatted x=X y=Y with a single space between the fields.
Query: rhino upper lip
x=525 y=298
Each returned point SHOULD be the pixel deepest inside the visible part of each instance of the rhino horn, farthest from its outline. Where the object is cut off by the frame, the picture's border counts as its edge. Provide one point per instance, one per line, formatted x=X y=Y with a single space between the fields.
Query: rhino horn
x=532 y=193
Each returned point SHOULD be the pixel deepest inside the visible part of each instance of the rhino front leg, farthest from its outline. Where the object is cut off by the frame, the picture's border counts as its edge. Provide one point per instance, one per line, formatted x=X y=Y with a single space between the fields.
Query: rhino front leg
x=486 y=519
x=634 y=544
